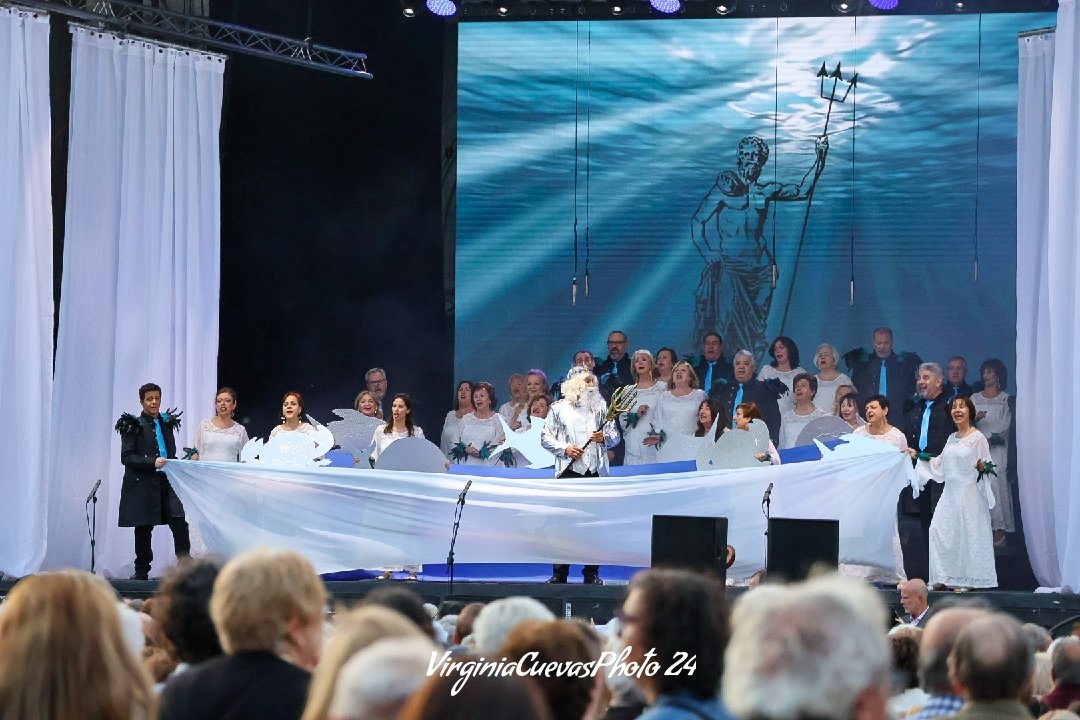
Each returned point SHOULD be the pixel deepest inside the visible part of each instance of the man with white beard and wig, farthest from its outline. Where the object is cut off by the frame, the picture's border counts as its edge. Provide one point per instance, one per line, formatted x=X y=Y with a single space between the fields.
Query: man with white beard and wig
x=576 y=433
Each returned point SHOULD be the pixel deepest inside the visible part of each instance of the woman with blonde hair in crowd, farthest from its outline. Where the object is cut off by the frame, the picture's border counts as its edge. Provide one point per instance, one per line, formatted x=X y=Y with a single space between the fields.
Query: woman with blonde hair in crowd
x=63 y=655
x=635 y=424
x=354 y=631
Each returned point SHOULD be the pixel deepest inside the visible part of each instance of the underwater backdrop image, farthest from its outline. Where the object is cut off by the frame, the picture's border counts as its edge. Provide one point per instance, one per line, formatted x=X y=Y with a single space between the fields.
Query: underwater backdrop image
x=707 y=174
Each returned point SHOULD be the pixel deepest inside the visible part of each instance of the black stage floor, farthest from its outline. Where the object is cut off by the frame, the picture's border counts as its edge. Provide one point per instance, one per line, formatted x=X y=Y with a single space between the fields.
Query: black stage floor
x=598 y=603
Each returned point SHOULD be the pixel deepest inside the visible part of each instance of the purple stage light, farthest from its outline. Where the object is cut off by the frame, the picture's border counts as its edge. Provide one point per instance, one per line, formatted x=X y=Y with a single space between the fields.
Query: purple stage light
x=442 y=8
x=885 y=4
x=666 y=6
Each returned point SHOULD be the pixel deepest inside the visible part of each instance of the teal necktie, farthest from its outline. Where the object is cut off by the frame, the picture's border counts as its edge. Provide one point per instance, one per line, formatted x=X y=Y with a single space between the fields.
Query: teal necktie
x=738 y=401
x=924 y=429
x=882 y=383
x=708 y=377
x=160 y=438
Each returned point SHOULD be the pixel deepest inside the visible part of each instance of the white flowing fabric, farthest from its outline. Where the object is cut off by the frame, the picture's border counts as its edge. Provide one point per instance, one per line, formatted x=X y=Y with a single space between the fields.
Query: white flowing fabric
x=1047 y=302
x=344 y=519
x=26 y=296
x=139 y=296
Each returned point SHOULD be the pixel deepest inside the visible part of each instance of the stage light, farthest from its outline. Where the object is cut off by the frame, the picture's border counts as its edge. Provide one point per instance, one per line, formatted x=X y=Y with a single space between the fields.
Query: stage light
x=616 y=7
x=667 y=7
x=959 y=7
x=842 y=7
x=885 y=4
x=408 y=8
x=442 y=8
x=502 y=9
x=725 y=8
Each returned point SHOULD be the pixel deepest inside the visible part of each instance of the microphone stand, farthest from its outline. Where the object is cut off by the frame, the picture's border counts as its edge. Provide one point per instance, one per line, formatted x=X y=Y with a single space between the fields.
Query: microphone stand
x=91 y=525
x=766 y=505
x=458 y=509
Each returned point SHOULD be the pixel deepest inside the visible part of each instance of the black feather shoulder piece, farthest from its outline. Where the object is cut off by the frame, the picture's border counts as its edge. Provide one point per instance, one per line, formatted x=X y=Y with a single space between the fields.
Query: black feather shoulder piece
x=854 y=358
x=777 y=386
x=172 y=418
x=128 y=424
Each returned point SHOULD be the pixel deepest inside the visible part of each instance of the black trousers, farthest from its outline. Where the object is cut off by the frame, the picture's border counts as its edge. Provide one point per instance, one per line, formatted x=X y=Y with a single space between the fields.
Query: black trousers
x=144 y=553
x=562 y=571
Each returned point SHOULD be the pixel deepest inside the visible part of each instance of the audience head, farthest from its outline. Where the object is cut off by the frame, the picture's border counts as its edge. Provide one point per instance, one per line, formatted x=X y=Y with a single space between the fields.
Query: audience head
x=905 y=660
x=354 y=630
x=466 y=620
x=375 y=682
x=993 y=373
x=616 y=345
x=450 y=695
x=712 y=346
x=811 y=650
x=914 y=595
x=497 y=620
x=675 y=614
x=404 y=601
x=956 y=369
x=182 y=609
x=63 y=655
x=1038 y=637
x=1065 y=660
x=622 y=689
x=990 y=659
x=937 y=642
x=562 y=642
x=272 y=601
x=883 y=342
x=784 y=349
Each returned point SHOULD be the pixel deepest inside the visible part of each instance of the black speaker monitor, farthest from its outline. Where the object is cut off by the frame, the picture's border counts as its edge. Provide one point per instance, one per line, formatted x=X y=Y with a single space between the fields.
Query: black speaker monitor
x=690 y=543
x=795 y=546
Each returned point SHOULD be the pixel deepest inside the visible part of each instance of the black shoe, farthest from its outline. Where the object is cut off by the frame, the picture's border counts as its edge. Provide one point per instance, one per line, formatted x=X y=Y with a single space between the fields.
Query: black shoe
x=593 y=580
x=556 y=580
x=141 y=575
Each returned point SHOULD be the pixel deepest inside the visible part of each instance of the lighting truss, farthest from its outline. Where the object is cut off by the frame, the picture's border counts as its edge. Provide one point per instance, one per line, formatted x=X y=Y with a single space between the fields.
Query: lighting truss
x=123 y=16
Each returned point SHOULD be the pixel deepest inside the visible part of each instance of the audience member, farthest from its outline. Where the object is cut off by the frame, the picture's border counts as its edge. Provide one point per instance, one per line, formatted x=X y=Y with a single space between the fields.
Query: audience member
x=375 y=682
x=624 y=699
x=182 y=608
x=1065 y=673
x=937 y=642
x=493 y=698
x=811 y=650
x=465 y=622
x=558 y=642
x=63 y=655
x=267 y=606
x=914 y=597
x=404 y=601
x=907 y=697
x=498 y=619
x=990 y=666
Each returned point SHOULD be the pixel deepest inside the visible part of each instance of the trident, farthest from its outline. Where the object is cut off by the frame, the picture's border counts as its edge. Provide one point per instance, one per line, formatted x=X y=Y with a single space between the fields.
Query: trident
x=832 y=97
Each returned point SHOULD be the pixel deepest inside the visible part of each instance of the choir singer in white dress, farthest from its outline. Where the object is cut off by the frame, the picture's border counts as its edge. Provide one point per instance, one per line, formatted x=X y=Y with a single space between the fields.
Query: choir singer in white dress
x=635 y=424
x=220 y=438
x=993 y=417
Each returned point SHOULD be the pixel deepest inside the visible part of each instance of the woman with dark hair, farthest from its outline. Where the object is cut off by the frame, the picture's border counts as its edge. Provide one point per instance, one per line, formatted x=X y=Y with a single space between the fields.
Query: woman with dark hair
x=799 y=415
x=746 y=413
x=481 y=431
x=452 y=425
x=182 y=609
x=784 y=367
x=220 y=438
x=961 y=538
x=993 y=415
x=849 y=411
x=708 y=412
x=665 y=363
x=399 y=425
x=674 y=615
x=292 y=415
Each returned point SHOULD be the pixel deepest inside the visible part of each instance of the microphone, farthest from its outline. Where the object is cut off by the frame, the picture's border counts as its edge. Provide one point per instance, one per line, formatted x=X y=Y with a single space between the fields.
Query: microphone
x=93 y=492
x=461 y=497
x=767 y=496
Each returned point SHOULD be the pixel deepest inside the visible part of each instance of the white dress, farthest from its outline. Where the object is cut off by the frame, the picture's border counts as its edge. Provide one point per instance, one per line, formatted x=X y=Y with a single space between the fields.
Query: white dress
x=677 y=415
x=826 y=391
x=451 y=432
x=792 y=423
x=787 y=400
x=214 y=443
x=995 y=426
x=961 y=540
x=636 y=452
x=507 y=410
x=304 y=427
x=382 y=440
x=475 y=431
x=873 y=574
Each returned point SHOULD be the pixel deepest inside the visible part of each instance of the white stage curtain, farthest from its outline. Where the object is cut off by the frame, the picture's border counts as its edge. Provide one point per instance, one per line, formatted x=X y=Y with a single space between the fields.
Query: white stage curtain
x=1048 y=304
x=139 y=293
x=26 y=279
x=343 y=519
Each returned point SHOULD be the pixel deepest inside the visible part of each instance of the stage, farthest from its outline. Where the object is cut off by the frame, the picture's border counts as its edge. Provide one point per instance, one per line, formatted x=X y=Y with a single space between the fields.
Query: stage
x=598 y=603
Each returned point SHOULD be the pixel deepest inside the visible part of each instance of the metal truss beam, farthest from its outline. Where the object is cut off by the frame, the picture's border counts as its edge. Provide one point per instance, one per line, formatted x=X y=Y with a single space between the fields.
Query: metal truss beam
x=123 y=16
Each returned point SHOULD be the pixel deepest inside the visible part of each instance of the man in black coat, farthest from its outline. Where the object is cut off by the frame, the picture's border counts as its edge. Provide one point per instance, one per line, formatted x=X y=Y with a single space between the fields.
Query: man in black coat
x=956 y=379
x=615 y=371
x=713 y=370
x=146 y=498
x=929 y=427
x=744 y=388
x=886 y=373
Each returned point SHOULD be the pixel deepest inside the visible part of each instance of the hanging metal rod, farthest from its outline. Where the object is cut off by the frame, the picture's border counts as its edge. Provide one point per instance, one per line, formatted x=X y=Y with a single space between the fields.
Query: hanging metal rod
x=1039 y=31
x=123 y=16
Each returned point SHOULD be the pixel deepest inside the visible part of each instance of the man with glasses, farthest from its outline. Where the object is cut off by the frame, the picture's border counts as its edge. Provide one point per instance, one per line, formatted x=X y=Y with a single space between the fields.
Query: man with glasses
x=376 y=385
